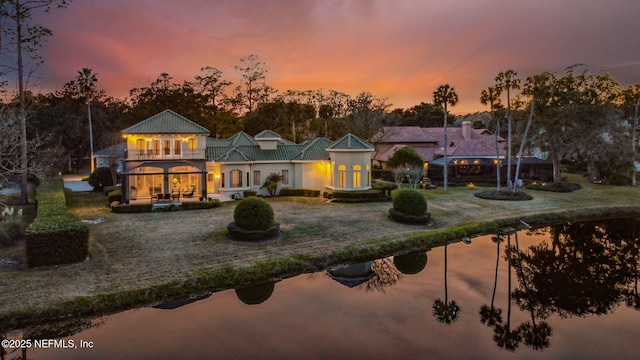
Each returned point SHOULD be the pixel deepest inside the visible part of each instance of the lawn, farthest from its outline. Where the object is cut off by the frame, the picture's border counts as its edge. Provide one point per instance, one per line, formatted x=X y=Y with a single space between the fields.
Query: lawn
x=130 y=252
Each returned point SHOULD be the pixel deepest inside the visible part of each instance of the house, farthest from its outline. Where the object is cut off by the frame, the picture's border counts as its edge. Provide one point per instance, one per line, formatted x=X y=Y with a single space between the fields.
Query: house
x=169 y=154
x=471 y=153
x=110 y=156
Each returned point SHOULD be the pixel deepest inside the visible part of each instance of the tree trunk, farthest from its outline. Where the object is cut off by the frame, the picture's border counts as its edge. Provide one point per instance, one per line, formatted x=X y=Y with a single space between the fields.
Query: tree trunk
x=22 y=112
x=555 y=160
x=524 y=139
x=446 y=169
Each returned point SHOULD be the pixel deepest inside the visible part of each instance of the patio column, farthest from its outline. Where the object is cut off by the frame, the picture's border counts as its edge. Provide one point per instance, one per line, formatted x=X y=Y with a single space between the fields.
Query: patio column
x=203 y=185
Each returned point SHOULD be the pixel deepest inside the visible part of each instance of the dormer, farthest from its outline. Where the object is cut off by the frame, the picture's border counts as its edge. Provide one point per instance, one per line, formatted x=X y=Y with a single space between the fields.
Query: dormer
x=268 y=140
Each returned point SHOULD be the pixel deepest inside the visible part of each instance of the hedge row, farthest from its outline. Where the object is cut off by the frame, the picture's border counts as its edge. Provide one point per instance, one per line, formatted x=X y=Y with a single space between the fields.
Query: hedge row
x=140 y=208
x=562 y=187
x=299 y=192
x=357 y=196
x=55 y=237
x=115 y=195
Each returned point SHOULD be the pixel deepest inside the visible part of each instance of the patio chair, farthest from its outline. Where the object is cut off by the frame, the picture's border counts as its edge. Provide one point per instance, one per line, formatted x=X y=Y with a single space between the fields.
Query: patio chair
x=166 y=197
x=189 y=193
x=175 y=194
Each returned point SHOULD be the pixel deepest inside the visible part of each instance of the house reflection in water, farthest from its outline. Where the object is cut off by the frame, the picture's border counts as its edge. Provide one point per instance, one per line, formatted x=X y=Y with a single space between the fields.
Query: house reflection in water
x=352 y=275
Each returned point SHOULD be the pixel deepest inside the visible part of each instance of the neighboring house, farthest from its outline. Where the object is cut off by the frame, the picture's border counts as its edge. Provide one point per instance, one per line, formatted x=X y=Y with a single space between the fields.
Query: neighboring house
x=471 y=153
x=112 y=155
x=167 y=153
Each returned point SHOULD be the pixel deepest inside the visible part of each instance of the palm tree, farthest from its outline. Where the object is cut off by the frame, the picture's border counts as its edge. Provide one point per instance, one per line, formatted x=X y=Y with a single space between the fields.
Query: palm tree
x=632 y=97
x=86 y=82
x=507 y=81
x=443 y=96
x=491 y=96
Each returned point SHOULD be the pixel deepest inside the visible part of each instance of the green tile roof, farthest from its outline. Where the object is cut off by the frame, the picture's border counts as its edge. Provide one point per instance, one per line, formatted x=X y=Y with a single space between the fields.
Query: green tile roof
x=314 y=150
x=267 y=134
x=166 y=122
x=350 y=142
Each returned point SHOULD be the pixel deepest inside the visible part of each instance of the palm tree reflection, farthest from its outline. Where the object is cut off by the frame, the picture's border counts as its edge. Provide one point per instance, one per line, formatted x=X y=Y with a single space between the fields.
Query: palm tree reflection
x=445 y=311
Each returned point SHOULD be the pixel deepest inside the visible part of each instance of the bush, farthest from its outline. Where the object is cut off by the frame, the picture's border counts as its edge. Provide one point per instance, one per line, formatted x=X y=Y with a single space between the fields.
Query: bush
x=253 y=213
x=12 y=226
x=357 y=196
x=131 y=208
x=248 y=193
x=562 y=187
x=410 y=202
x=503 y=195
x=55 y=237
x=115 y=195
x=100 y=178
x=385 y=187
x=108 y=189
x=300 y=192
x=201 y=205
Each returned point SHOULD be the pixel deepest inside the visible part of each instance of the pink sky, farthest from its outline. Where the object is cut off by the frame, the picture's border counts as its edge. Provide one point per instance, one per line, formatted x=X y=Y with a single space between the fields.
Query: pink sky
x=401 y=50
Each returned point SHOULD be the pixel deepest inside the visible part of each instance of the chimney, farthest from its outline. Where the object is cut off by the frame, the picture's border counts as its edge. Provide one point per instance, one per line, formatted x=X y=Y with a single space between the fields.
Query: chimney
x=466 y=130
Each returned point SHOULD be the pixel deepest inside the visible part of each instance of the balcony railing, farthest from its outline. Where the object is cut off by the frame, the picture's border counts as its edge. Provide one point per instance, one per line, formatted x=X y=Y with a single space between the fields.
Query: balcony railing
x=152 y=155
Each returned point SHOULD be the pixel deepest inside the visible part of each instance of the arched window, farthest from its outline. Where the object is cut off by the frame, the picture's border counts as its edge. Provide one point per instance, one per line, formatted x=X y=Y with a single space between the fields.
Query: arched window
x=357 y=171
x=236 y=178
x=342 y=176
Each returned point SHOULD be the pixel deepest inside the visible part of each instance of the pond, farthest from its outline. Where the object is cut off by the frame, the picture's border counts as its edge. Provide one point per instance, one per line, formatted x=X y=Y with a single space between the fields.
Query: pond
x=569 y=291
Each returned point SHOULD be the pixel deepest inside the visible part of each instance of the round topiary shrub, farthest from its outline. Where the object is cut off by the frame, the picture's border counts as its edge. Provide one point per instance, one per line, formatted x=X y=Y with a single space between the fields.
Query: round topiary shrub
x=410 y=206
x=253 y=220
x=100 y=178
x=410 y=202
x=253 y=213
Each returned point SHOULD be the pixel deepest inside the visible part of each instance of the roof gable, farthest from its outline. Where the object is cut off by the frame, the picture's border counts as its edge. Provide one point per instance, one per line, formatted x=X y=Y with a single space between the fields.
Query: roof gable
x=267 y=135
x=166 y=122
x=242 y=138
x=350 y=142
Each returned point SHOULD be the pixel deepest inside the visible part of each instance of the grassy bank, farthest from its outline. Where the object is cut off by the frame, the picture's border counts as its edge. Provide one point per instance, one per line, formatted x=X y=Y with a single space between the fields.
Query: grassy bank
x=138 y=259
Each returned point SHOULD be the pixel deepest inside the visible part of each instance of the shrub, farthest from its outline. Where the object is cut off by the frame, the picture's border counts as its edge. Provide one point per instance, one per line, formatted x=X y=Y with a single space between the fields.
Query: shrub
x=410 y=202
x=55 y=237
x=248 y=193
x=12 y=226
x=385 y=187
x=562 y=187
x=201 y=205
x=253 y=213
x=503 y=195
x=300 y=192
x=271 y=183
x=357 y=196
x=100 y=178
x=131 y=208
x=108 y=189
x=115 y=195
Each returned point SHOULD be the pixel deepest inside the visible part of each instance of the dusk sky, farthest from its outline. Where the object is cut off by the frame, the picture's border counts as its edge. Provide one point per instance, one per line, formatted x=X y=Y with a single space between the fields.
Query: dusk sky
x=401 y=50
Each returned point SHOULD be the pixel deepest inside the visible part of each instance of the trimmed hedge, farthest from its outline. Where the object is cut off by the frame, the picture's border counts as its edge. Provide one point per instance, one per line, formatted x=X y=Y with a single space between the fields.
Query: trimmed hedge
x=564 y=187
x=253 y=213
x=503 y=195
x=55 y=237
x=410 y=202
x=396 y=215
x=248 y=193
x=238 y=233
x=141 y=208
x=108 y=189
x=359 y=196
x=300 y=192
x=115 y=195
x=385 y=187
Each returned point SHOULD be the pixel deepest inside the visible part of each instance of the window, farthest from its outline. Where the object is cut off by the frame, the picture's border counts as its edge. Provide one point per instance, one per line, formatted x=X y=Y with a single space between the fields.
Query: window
x=167 y=147
x=356 y=175
x=236 y=178
x=285 y=177
x=342 y=176
x=156 y=147
x=193 y=145
x=222 y=180
x=257 y=181
x=140 y=144
x=176 y=147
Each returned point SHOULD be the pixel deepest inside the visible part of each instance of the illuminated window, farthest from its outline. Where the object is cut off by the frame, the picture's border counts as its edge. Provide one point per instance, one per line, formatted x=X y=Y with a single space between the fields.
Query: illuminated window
x=193 y=145
x=356 y=175
x=285 y=177
x=236 y=178
x=140 y=145
x=342 y=176
x=176 y=147
x=257 y=179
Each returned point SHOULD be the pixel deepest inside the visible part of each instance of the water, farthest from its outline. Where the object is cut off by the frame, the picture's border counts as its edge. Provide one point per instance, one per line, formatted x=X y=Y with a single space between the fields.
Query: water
x=573 y=298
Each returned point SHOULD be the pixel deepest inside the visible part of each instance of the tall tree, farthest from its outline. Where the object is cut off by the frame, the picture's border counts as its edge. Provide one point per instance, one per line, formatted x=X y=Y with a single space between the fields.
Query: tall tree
x=506 y=81
x=253 y=74
x=491 y=96
x=631 y=97
x=26 y=39
x=443 y=96
x=212 y=85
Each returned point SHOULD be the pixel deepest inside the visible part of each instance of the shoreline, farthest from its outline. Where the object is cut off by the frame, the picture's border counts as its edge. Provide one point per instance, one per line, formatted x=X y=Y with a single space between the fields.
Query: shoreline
x=205 y=280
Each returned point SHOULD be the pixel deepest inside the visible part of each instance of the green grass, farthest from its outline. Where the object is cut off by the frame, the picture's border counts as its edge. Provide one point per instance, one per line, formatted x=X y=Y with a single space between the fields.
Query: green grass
x=138 y=259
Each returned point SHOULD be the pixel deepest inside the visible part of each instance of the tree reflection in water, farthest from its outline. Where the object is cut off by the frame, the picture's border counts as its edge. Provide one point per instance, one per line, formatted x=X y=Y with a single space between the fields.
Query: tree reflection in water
x=445 y=311
x=586 y=268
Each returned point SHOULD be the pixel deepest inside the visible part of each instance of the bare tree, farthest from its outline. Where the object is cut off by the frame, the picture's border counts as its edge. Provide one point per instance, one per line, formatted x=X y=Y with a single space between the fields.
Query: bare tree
x=25 y=39
x=212 y=85
x=253 y=75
